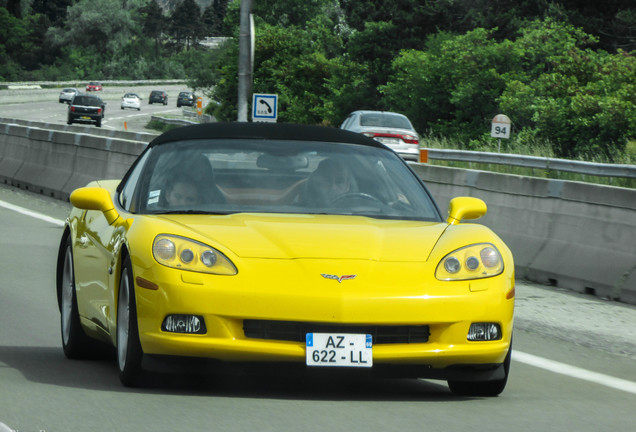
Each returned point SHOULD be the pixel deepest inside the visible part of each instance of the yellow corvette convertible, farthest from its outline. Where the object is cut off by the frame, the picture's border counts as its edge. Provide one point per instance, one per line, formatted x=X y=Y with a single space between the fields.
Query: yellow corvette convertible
x=304 y=246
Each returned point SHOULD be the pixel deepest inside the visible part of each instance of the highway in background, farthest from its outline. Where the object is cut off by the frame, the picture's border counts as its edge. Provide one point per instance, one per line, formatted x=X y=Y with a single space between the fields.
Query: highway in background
x=40 y=390
x=43 y=105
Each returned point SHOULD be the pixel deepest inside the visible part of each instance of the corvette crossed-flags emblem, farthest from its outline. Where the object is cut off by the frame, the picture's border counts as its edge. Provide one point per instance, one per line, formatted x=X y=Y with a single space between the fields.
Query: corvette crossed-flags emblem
x=338 y=278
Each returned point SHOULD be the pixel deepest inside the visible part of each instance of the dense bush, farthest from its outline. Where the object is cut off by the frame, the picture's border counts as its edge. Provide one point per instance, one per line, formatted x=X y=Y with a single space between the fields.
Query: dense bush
x=549 y=81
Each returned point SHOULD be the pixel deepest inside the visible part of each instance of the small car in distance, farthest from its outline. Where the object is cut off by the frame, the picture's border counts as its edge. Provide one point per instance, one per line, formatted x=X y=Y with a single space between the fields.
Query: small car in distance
x=158 y=96
x=186 y=98
x=94 y=86
x=67 y=94
x=131 y=100
x=86 y=109
x=306 y=246
x=392 y=129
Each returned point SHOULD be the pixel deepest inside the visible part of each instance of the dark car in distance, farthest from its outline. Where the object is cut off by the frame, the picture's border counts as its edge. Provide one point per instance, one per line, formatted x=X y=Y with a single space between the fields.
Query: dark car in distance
x=158 y=96
x=86 y=109
x=186 y=98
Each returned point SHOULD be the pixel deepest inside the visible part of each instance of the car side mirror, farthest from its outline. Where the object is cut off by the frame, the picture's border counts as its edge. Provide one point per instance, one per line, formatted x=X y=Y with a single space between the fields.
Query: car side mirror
x=465 y=208
x=95 y=198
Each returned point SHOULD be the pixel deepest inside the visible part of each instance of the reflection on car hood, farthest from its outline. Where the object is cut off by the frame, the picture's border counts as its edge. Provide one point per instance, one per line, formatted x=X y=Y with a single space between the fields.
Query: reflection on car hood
x=313 y=236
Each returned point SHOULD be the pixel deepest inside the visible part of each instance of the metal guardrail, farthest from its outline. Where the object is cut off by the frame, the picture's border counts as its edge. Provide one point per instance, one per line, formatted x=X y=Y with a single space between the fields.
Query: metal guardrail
x=579 y=167
x=34 y=85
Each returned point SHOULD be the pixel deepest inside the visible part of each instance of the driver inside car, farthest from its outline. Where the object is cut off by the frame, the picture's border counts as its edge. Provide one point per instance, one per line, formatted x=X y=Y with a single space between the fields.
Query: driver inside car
x=330 y=181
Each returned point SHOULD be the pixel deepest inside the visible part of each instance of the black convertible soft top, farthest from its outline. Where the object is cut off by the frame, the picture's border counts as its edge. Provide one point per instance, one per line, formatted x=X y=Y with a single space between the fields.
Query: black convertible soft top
x=275 y=131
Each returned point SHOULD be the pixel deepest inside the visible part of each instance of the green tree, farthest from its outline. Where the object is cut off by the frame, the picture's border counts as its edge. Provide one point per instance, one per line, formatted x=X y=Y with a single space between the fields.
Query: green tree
x=581 y=100
x=100 y=26
x=213 y=17
x=153 y=22
x=54 y=10
x=185 y=24
x=287 y=13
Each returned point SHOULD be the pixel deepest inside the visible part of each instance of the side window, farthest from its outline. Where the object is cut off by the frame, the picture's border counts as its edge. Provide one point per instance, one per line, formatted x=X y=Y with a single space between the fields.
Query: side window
x=126 y=196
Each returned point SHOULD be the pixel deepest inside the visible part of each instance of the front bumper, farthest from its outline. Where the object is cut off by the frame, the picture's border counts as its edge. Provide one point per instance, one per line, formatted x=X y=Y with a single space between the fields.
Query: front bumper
x=225 y=302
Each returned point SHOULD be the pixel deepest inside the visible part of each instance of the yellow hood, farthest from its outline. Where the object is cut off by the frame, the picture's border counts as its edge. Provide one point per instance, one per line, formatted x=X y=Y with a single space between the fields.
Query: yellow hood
x=294 y=236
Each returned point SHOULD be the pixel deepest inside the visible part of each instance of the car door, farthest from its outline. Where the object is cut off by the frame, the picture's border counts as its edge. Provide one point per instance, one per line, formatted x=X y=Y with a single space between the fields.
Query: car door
x=93 y=257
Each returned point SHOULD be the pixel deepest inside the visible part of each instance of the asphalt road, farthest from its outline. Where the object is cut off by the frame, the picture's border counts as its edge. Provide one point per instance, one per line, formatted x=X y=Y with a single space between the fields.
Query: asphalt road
x=573 y=368
x=43 y=105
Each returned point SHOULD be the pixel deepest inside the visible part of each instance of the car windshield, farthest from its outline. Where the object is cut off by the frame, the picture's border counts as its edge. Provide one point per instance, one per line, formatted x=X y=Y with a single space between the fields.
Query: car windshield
x=130 y=95
x=232 y=176
x=87 y=101
x=385 y=120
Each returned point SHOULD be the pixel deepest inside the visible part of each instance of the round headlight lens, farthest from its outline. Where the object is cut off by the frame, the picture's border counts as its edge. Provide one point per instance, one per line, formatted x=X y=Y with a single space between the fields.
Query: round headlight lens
x=490 y=257
x=452 y=265
x=164 y=249
x=208 y=258
x=472 y=263
x=187 y=256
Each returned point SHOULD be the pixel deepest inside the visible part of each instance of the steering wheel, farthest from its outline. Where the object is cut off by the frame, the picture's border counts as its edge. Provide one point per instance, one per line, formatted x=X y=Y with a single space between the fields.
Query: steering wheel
x=350 y=197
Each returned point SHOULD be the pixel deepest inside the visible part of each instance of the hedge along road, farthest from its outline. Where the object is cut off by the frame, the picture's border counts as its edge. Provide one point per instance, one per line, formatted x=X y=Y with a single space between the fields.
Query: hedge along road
x=574 y=371
x=43 y=105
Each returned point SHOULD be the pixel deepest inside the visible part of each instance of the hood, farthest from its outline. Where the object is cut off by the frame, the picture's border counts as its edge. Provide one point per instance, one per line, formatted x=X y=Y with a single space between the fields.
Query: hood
x=312 y=236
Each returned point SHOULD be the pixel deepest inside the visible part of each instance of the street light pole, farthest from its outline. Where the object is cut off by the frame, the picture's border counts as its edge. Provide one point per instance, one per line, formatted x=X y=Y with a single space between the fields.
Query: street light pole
x=245 y=60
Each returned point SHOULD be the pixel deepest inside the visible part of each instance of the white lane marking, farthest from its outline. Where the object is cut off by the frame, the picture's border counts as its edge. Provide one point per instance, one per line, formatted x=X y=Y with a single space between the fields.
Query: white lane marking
x=33 y=214
x=575 y=372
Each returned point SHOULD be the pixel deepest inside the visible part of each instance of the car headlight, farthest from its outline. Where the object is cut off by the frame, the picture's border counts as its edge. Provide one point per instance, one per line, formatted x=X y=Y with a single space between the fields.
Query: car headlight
x=185 y=254
x=471 y=262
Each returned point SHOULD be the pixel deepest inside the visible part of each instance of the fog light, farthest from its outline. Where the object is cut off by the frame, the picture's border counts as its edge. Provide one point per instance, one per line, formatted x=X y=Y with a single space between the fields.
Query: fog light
x=193 y=324
x=484 y=332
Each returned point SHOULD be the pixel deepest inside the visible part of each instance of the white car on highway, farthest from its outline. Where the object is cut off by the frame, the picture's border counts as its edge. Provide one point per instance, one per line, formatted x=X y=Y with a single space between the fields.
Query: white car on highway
x=131 y=100
x=391 y=129
x=67 y=94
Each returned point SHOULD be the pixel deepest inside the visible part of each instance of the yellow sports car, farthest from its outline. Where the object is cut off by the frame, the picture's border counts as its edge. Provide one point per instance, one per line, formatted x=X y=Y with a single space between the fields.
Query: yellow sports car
x=304 y=246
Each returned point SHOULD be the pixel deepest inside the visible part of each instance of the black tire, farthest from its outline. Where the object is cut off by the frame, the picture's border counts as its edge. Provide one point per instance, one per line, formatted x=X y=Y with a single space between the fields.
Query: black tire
x=483 y=388
x=75 y=343
x=98 y=123
x=69 y=121
x=129 y=352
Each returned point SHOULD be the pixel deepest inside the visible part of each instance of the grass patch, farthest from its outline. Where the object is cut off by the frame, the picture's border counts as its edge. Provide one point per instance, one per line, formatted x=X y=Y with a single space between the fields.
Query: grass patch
x=539 y=149
x=161 y=126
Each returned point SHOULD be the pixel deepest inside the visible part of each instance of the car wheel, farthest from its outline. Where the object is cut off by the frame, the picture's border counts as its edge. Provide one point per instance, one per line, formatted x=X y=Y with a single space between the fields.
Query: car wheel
x=129 y=352
x=483 y=388
x=74 y=342
x=69 y=121
x=98 y=123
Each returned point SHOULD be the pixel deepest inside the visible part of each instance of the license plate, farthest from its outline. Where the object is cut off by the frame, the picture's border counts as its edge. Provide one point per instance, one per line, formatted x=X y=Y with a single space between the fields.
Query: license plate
x=85 y=118
x=339 y=349
x=387 y=141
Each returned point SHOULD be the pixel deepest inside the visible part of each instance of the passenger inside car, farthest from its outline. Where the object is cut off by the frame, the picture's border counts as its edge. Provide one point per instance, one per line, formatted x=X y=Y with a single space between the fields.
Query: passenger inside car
x=182 y=193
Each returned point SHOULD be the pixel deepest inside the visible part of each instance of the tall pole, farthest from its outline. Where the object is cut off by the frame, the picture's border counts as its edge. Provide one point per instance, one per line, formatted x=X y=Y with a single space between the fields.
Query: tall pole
x=245 y=60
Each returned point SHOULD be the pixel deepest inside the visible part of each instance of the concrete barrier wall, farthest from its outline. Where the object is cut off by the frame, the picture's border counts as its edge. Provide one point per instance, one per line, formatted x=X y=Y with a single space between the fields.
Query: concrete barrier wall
x=54 y=163
x=568 y=234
